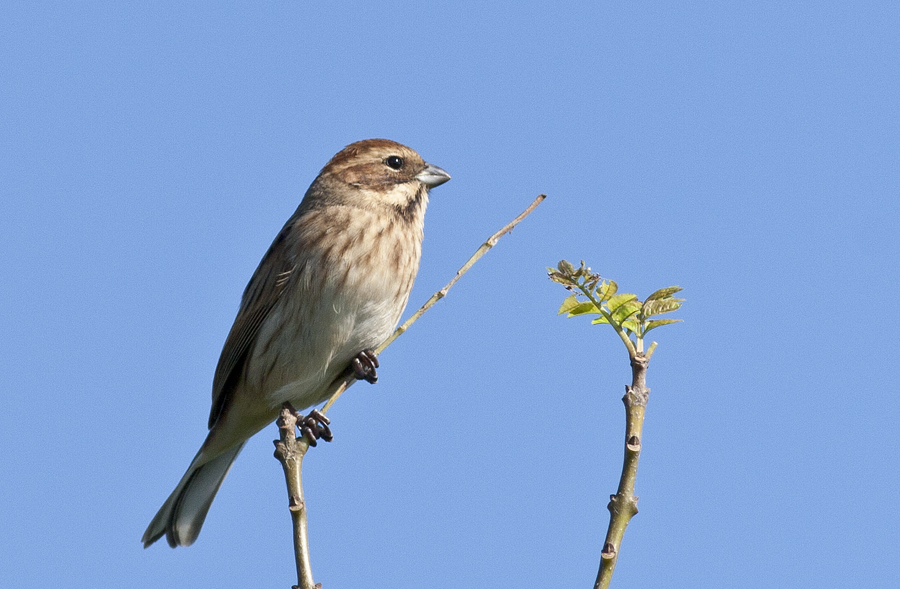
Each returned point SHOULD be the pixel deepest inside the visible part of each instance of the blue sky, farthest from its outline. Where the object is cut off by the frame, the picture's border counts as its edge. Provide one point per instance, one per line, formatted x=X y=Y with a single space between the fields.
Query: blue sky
x=749 y=152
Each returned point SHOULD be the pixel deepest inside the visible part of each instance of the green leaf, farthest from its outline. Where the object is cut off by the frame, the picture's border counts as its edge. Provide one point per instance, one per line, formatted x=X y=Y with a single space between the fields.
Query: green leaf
x=606 y=290
x=657 y=322
x=600 y=319
x=658 y=307
x=626 y=309
x=567 y=305
x=664 y=293
x=620 y=299
x=583 y=309
x=631 y=325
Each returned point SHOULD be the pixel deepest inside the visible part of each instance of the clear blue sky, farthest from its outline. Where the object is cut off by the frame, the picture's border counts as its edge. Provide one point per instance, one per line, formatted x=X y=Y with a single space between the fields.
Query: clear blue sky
x=749 y=152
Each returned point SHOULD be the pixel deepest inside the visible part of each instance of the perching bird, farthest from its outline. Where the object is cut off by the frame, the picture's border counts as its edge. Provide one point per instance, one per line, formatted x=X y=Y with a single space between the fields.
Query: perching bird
x=331 y=287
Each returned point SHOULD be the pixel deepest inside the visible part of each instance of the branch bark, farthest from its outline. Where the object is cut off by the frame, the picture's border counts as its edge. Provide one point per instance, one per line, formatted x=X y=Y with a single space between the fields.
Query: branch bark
x=623 y=505
x=290 y=450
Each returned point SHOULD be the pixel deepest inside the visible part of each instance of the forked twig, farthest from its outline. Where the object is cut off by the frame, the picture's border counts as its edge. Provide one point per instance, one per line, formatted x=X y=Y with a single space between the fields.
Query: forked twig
x=290 y=449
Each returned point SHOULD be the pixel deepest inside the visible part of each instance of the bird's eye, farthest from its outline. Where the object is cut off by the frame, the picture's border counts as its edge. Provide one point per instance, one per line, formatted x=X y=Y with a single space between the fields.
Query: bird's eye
x=394 y=162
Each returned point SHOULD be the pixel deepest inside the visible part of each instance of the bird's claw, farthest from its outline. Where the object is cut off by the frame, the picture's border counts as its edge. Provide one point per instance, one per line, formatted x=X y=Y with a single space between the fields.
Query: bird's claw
x=364 y=366
x=314 y=426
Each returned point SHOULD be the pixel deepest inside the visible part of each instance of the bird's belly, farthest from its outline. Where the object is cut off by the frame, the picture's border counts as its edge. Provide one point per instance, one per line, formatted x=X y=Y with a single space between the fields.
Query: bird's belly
x=299 y=364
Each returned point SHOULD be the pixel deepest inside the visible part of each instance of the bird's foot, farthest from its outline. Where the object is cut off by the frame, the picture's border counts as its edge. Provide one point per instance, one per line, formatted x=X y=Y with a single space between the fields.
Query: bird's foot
x=312 y=427
x=364 y=366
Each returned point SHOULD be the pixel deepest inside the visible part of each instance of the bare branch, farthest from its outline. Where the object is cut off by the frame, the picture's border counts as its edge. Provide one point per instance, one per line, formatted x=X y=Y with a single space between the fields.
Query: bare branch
x=290 y=450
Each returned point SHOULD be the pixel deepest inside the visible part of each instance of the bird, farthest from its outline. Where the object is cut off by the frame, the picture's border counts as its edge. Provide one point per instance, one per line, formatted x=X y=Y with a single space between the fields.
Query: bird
x=330 y=288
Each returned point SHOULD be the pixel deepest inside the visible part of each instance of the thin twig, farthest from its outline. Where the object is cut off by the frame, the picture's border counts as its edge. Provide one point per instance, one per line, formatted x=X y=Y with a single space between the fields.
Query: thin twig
x=343 y=383
x=290 y=450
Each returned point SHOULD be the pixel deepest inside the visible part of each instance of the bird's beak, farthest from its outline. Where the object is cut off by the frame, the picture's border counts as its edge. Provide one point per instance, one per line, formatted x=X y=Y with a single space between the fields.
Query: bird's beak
x=432 y=176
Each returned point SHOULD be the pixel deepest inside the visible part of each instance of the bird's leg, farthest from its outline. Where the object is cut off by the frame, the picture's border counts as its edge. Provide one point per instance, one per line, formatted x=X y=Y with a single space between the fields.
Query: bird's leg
x=313 y=426
x=364 y=366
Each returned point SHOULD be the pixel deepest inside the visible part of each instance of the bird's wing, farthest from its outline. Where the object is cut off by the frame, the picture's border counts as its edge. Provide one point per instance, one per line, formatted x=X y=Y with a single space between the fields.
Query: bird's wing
x=271 y=278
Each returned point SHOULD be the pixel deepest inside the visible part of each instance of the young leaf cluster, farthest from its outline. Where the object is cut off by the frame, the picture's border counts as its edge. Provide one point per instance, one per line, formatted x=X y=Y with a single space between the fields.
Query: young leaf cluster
x=629 y=316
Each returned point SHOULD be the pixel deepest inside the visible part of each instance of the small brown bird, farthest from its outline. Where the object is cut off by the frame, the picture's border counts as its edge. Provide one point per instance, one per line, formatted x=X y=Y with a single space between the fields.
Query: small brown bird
x=331 y=287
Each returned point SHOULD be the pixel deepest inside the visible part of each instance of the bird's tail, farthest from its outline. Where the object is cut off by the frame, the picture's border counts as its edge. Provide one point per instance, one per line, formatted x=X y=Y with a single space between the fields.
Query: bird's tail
x=181 y=516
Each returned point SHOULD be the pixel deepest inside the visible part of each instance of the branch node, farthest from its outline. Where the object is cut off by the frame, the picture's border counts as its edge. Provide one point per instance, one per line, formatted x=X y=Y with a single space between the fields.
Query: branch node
x=613 y=505
x=636 y=396
x=609 y=551
x=640 y=361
